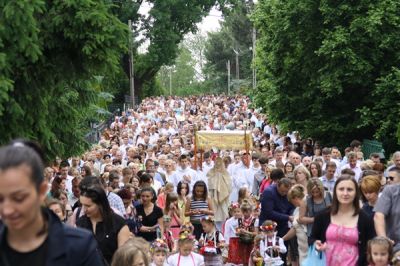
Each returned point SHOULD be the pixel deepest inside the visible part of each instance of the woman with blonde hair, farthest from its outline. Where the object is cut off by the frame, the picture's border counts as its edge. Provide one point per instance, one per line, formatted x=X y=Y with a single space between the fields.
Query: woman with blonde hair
x=219 y=187
x=317 y=201
x=296 y=196
x=301 y=175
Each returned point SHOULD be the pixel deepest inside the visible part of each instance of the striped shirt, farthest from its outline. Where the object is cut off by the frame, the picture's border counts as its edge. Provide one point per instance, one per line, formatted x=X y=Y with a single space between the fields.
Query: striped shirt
x=197 y=205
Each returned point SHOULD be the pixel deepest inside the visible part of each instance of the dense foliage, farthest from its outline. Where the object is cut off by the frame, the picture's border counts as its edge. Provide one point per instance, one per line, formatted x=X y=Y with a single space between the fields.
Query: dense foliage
x=50 y=53
x=330 y=68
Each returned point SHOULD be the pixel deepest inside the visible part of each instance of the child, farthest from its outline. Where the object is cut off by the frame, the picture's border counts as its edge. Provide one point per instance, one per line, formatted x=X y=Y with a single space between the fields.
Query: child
x=246 y=232
x=167 y=232
x=159 y=250
x=272 y=245
x=185 y=256
x=380 y=251
x=198 y=207
x=230 y=233
x=172 y=209
x=244 y=194
x=255 y=256
x=211 y=242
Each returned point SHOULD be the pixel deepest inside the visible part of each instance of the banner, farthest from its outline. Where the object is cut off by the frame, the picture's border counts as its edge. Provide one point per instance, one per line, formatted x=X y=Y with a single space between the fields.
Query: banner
x=223 y=140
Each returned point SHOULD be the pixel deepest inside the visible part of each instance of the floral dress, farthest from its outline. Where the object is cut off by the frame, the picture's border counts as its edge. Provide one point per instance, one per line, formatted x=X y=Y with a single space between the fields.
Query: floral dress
x=342 y=245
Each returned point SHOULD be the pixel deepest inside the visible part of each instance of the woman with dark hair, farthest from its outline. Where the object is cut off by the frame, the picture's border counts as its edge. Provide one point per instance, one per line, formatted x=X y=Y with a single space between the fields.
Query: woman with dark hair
x=172 y=210
x=57 y=184
x=315 y=169
x=86 y=170
x=198 y=207
x=149 y=216
x=182 y=191
x=289 y=168
x=109 y=229
x=343 y=231
x=28 y=232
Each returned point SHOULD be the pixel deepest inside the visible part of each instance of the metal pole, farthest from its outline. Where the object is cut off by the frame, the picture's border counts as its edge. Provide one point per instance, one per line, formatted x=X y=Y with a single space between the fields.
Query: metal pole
x=131 y=65
x=228 y=65
x=170 y=81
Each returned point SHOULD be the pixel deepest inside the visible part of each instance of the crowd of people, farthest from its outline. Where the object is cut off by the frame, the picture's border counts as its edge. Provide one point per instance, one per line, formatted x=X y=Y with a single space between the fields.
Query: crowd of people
x=143 y=195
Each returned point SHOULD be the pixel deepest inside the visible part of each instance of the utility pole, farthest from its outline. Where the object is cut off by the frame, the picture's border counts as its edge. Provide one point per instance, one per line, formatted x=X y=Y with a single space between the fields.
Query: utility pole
x=237 y=63
x=228 y=65
x=254 y=60
x=131 y=65
x=170 y=80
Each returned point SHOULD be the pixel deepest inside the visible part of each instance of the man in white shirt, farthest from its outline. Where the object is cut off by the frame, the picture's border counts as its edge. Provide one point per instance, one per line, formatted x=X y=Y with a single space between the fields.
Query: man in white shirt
x=64 y=168
x=183 y=173
x=353 y=165
x=208 y=164
x=241 y=177
x=327 y=157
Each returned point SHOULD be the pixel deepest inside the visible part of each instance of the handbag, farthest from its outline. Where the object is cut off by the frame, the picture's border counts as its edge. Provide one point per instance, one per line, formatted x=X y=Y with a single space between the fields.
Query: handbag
x=314 y=257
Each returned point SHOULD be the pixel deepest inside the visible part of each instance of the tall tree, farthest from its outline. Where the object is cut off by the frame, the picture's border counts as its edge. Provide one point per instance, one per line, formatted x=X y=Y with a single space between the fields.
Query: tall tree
x=321 y=61
x=50 y=52
x=167 y=23
x=234 y=36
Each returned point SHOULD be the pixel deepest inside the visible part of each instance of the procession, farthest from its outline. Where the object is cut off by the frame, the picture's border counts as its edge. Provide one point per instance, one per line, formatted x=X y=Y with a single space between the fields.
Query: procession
x=200 y=181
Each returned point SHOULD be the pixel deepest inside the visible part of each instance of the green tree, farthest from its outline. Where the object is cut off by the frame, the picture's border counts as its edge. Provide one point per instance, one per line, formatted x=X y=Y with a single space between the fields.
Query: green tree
x=50 y=53
x=321 y=61
x=182 y=73
x=235 y=35
x=168 y=22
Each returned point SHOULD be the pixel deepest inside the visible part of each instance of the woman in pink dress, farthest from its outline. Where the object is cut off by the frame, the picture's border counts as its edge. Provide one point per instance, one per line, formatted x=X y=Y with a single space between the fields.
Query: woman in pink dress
x=343 y=231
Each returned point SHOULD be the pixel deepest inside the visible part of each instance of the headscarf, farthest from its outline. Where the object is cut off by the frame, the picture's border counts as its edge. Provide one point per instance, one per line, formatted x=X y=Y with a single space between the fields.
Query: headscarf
x=219 y=181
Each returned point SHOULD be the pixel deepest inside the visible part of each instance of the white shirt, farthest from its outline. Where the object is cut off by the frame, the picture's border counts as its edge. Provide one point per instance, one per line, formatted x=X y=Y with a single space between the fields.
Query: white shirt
x=263 y=250
x=207 y=167
x=179 y=173
x=68 y=183
x=230 y=228
x=193 y=259
x=240 y=178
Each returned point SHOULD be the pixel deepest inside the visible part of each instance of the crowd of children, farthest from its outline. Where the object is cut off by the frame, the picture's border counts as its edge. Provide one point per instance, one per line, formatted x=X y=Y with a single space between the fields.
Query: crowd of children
x=242 y=240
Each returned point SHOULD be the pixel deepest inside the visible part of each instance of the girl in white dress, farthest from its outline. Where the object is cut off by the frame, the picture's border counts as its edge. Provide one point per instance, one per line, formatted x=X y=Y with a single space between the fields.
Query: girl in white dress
x=185 y=256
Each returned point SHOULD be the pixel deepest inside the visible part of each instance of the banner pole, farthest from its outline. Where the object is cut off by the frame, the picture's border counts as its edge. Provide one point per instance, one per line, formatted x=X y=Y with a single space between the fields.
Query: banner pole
x=195 y=147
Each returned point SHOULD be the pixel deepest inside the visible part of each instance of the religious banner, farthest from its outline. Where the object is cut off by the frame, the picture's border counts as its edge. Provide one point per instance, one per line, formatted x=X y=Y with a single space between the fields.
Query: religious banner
x=232 y=140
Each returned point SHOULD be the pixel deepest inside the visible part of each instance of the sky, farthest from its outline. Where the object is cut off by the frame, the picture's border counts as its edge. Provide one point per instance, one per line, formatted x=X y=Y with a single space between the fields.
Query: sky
x=209 y=24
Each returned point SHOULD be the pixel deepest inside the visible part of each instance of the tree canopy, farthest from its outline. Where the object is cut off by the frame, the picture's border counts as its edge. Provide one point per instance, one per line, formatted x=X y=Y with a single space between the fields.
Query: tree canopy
x=50 y=53
x=330 y=68
x=167 y=23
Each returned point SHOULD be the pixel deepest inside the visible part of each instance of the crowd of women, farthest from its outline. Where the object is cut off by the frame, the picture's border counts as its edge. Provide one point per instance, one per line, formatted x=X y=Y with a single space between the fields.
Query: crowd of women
x=142 y=196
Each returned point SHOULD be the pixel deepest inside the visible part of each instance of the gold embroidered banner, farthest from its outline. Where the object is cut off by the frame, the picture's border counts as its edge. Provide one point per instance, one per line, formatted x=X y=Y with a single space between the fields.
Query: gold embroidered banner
x=233 y=140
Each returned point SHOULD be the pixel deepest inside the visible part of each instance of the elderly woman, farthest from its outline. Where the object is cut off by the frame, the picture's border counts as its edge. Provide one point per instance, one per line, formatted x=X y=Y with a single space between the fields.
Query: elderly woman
x=219 y=187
